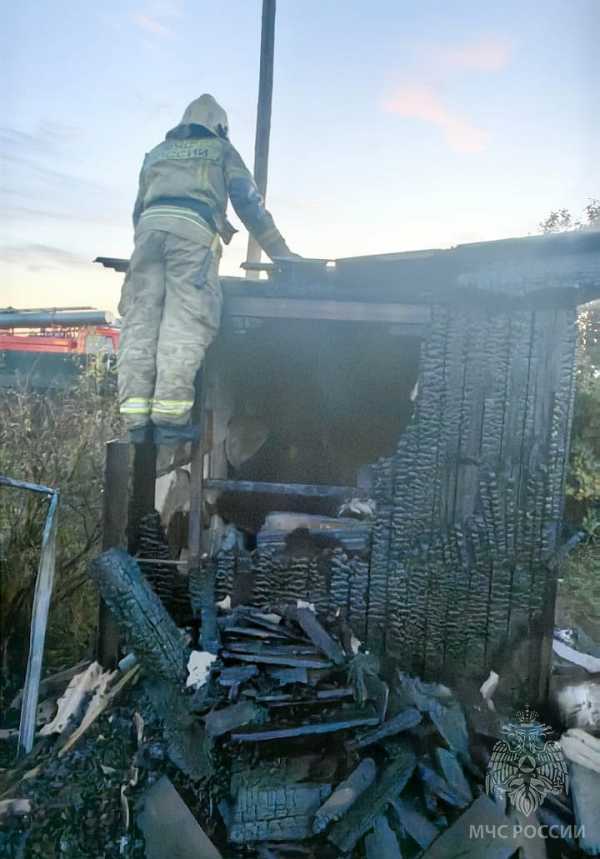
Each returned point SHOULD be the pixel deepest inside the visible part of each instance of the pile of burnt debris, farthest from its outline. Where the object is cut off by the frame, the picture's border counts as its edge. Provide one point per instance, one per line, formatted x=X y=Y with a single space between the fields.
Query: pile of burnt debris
x=278 y=736
x=319 y=753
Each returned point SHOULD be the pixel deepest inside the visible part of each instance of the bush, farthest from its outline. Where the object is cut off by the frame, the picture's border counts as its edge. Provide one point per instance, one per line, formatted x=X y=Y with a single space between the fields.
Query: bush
x=55 y=438
x=583 y=486
x=580 y=588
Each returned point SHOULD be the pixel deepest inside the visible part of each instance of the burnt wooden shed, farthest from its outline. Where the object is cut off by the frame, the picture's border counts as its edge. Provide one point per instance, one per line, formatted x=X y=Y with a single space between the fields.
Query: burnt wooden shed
x=430 y=396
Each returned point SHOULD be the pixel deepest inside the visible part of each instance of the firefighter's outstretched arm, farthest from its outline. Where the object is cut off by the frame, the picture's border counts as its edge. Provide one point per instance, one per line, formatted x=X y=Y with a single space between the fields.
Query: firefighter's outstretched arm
x=250 y=209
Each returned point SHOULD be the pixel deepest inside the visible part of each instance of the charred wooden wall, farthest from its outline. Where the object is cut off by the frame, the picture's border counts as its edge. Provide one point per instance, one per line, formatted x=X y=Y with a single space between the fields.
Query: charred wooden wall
x=470 y=505
x=460 y=568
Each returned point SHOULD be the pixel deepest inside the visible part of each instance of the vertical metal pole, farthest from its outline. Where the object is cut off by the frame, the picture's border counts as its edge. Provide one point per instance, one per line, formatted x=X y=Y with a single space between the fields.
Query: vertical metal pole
x=263 y=116
x=39 y=624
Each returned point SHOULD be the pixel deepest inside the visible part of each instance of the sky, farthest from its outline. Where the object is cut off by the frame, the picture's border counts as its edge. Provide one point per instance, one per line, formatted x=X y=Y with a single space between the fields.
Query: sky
x=396 y=125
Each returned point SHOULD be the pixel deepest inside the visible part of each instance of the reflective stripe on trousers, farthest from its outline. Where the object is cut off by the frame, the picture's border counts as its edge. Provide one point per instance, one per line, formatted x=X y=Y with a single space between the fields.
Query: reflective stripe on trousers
x=171 y=407
x=135 y=406
x=171 y=307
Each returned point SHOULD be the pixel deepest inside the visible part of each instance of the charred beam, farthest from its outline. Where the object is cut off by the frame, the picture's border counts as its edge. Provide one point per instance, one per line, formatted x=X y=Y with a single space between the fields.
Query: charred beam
x=341 y=721
x=361 y=818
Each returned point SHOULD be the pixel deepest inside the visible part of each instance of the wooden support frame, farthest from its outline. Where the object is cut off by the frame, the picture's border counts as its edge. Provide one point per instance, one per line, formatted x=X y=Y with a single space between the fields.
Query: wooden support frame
x=304 y=490
x=124 y=505
x=114 y=536
x=143 y=490
x=199 y=416
x=327 y=310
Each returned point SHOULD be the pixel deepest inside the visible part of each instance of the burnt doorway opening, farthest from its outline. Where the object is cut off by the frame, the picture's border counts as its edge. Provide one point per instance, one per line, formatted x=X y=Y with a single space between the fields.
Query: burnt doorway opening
x=330 y=398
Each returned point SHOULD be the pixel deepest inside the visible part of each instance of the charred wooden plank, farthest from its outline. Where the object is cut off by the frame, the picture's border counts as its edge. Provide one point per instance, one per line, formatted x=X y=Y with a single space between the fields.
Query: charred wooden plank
x=379 y=693
x=267 y=659
x=449 y=719
x=250 y=614
x=307 y=621
x=453 y=773
x=275 y=812
x=279 y=699
x=334 y=694
x=285 y=676
x=187 y=744
x=307 y=490
x=482 y=816
x=341 y=721
x=448 y=792
x=371 y=804
x=402 y=722
x=170 y=828
x=266 y=649
x=245 y=621
x=415 y=824
x=253 y=632
x=219 y=722
x=382 y=841
x=360 y=667
x=205 y=573
x=237 y=674
x=345 y=794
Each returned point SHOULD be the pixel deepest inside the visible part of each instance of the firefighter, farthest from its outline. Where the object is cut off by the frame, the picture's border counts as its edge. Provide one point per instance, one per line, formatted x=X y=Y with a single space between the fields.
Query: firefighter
x=171 y=298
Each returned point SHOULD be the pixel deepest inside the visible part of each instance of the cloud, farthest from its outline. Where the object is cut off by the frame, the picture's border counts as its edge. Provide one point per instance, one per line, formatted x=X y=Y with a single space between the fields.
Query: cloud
x=31 y=215
x=46 y=174
x=154 y=18
x=167 y=8
x=423 y=102
x=47 y=137
x=420 y=96
x=40 y=257
x=151 y=25
x=13 y=138
x=487 y=54
x=58 y=133
x=38 y=186
x=30 y=160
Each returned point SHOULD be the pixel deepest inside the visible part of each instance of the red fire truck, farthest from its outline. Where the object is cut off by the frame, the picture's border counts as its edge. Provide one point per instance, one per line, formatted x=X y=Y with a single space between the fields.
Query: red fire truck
x=41 y=343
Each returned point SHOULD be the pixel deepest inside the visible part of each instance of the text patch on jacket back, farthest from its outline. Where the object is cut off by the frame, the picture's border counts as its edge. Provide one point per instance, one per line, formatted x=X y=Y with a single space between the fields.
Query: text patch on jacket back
x=178 y=150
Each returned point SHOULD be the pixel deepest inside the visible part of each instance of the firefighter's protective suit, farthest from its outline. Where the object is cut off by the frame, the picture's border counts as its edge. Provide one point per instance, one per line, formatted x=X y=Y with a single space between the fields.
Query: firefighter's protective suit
x=171 y=298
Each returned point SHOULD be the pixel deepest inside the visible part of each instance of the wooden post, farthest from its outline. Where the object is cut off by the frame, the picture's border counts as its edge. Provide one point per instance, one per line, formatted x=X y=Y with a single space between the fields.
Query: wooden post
x=143 y=490
x=263 y=116
x=114 y=536
x=200 y=567
x=197 y=474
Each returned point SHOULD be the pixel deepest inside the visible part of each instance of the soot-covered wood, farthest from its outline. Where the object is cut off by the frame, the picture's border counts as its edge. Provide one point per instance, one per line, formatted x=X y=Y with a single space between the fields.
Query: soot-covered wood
x=150 y=630
x=460 y=568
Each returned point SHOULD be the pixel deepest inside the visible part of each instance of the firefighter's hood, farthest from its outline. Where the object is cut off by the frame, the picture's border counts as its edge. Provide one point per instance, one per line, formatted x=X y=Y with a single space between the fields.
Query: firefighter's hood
x=207 y=112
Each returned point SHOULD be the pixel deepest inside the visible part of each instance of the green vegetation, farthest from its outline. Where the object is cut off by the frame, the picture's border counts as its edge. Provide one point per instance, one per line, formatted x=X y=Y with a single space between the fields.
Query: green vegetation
x=55 y=438
x=580 y=591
